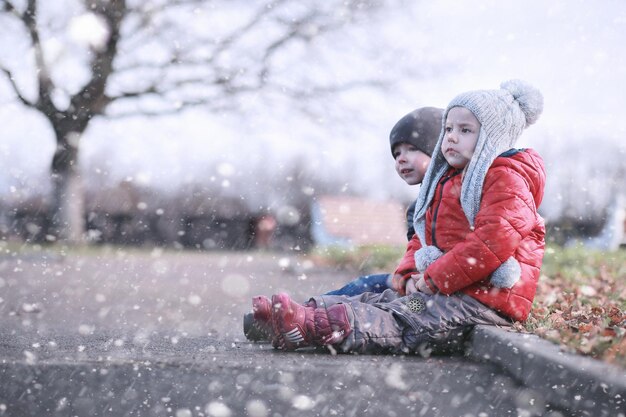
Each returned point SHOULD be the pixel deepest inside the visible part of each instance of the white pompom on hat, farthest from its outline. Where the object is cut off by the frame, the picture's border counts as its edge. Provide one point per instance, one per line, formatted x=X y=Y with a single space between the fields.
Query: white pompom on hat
x=503 y=115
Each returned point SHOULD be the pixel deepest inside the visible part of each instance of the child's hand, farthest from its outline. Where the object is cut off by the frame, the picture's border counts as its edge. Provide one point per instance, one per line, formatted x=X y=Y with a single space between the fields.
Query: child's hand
x=410 y=286
x=417 y=283
x=422 y=286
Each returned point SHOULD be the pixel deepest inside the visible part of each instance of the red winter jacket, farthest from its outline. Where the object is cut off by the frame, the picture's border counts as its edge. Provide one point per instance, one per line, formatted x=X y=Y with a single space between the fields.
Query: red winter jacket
x=507 y=224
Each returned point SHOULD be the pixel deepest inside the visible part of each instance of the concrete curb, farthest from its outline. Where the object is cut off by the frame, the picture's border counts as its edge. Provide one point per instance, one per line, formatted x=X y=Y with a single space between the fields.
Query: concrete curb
x=579 y=385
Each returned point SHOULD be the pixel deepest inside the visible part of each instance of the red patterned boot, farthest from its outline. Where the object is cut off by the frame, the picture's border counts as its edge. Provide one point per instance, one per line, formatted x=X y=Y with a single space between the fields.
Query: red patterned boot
x=297 y=325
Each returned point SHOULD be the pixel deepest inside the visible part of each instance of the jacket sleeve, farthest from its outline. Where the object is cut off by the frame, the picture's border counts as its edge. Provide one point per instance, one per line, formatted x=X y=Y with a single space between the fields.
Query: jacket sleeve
x=406 y=268
x=506 y=216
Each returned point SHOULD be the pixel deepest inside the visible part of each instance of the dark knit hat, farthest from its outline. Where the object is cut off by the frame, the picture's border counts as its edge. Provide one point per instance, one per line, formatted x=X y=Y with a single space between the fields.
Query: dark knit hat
x=420 y=128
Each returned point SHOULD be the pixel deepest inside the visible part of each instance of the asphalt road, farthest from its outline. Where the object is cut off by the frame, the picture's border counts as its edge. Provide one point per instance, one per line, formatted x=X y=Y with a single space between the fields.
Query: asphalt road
x=153 y=333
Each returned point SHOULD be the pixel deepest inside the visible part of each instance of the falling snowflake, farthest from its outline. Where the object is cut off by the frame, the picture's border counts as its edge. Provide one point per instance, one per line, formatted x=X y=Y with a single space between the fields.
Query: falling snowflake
x=217 y=409
x=303 y=402
x=394 y=377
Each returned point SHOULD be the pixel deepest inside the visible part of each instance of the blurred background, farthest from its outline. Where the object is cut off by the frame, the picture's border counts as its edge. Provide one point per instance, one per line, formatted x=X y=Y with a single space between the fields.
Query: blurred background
x=234 y=124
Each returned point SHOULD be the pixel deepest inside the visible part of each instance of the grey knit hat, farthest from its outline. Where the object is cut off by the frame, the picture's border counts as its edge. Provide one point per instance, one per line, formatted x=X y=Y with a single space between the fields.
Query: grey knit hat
x=503 y=115
x=420 y=128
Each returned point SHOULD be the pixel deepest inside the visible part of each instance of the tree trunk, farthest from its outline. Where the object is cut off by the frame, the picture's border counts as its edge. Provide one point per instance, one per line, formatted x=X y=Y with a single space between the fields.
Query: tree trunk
x=67 y=206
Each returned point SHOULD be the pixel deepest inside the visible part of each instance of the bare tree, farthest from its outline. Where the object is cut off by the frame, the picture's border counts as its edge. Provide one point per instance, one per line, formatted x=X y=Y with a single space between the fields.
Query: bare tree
x=154 y=57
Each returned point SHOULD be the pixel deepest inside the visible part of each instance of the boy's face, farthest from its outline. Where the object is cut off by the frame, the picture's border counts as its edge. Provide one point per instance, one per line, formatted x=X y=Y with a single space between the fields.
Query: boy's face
x=461 y=134
x=411 y=163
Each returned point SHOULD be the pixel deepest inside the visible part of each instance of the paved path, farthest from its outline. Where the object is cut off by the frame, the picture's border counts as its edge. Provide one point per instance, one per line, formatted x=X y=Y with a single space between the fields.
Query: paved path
x=159 y=334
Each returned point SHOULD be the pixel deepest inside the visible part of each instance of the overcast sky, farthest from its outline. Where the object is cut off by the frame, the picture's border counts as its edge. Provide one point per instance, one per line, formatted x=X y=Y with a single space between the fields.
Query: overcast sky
x=573 y=51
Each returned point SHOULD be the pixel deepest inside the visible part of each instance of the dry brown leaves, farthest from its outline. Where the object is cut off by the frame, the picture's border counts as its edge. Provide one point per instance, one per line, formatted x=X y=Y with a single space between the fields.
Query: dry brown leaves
x=585 y=314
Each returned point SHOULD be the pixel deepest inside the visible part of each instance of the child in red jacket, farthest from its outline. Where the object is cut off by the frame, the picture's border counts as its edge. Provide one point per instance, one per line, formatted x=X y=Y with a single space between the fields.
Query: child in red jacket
x=477 y=250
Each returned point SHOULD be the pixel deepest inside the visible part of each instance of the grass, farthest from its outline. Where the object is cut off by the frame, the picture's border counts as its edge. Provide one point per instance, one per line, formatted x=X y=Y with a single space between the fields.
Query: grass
x=581 y=302
x=362 y=259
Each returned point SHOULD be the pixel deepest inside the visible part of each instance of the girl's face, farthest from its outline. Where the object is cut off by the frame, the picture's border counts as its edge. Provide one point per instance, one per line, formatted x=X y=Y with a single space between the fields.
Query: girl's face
x=461 y=134
x=411 y=163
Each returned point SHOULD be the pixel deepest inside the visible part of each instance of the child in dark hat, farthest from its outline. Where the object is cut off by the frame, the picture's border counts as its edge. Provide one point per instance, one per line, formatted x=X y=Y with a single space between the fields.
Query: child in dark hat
x=412 y=141
x=477 y=250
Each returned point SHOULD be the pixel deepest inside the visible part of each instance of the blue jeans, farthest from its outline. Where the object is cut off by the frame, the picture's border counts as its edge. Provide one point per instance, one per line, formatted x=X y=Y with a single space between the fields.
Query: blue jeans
x=369 y=283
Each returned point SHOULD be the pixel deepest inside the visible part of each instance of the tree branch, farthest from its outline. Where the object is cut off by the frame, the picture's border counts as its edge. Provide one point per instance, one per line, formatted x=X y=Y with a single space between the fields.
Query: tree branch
x=318 y=91
x=9 y=7
x=210 y=105
x=200 y=62
x=91 y=99
x=16 y=89
x=254 y=20
x=45 y=85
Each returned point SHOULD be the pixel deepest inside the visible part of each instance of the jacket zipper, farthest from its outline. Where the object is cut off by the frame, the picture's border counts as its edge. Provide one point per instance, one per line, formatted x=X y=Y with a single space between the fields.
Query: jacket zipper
x=433 y=224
